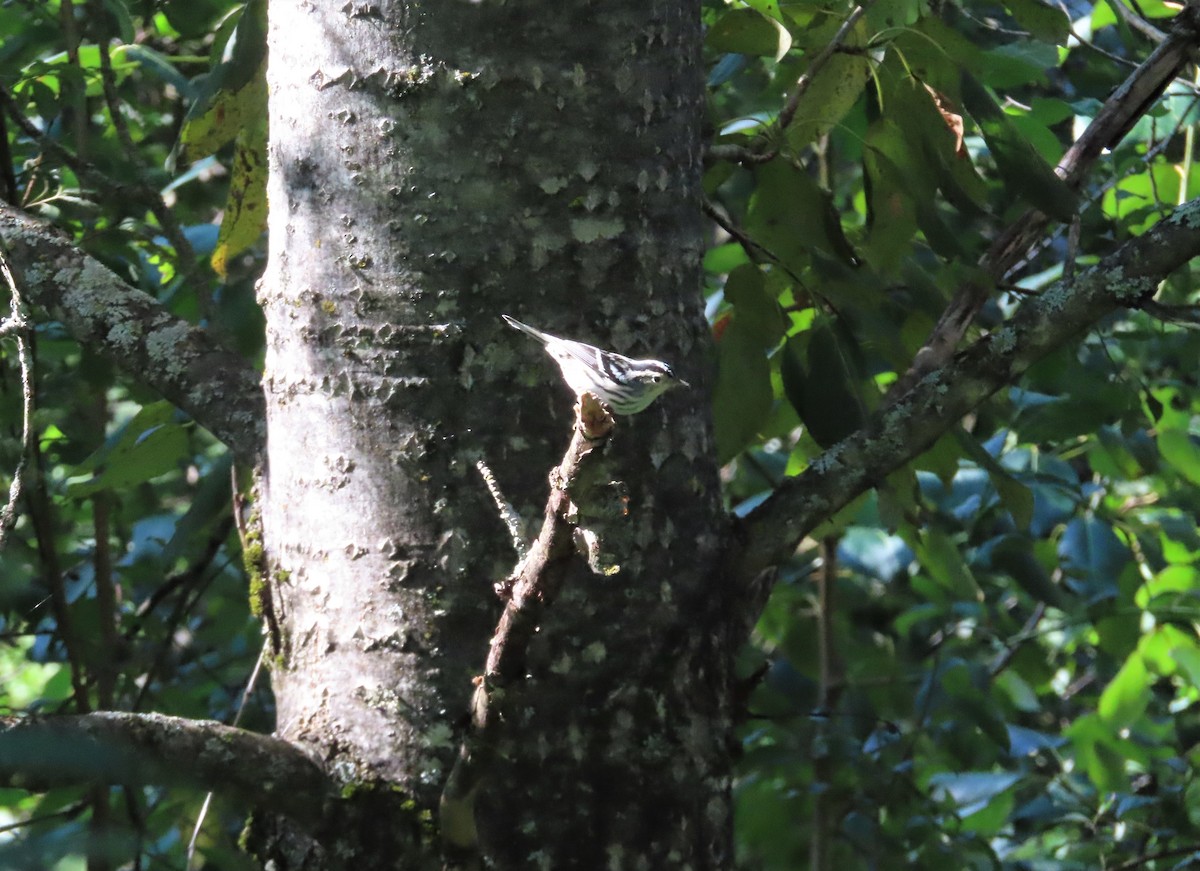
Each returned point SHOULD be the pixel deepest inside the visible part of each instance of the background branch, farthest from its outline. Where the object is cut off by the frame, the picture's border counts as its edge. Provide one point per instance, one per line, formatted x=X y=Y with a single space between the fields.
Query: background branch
x=215 y=386
x=1129 y=102
x=151 y=749
x=907 y=428
x=17 y=326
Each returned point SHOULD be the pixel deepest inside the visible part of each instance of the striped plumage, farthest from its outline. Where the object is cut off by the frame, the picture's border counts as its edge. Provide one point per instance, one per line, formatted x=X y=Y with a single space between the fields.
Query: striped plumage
x=624 y=385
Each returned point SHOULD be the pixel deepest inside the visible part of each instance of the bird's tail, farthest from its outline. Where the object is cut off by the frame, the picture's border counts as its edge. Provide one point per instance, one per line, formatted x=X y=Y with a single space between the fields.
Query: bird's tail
x=525 y=328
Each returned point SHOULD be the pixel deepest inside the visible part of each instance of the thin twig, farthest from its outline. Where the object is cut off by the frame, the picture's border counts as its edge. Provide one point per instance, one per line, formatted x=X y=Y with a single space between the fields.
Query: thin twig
x=1136 y=21
x=755 y=250
x=818 y=63
x=185 y=578
x=106 y=601
x=1181 y=315
x=41 y=517
x=181 y=611
x=1147 y=858
x=1028 y=632
x=1091 y=46
x=831 y=682
x=237 y=718
x=1097 y=195
x=17 y=326
x=508 y=514
x=108 y=80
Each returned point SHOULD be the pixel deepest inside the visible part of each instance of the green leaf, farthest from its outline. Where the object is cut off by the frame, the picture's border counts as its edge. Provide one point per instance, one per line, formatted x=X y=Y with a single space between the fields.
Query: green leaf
x=234 y=95
x=1022 y=62
x=1046 y=23
x=816 y=370
x=1158 y=648
x=942 y=560
x=1125 y=698
x=835 y=89
x=755 y=308
x=210 y=502
x=743 y=396
x=933 y=124
x=746 y=31
x=891 y=211
x=150 y=445
x=85 y=71
x=120 y=18
x=1091 y=551
x=1017 y=497
x=971 y=790
x=1023 y=169
x=245 y=217
x=162 y=67
x=1172 y=579
x=1109 y=454
x=724 y=258
x=791 y=216
x=888 y=14
x=1187 y=657
x=1013 y=555
x=1178 y=449
x=1099 y=752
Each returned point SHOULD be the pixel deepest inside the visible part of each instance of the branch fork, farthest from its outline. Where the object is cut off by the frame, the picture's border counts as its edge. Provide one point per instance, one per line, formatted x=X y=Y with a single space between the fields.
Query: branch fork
x=533 y=585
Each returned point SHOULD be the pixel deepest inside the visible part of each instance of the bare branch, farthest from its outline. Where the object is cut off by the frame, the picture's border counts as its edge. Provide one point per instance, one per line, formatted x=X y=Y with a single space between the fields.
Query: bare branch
x=535 y=583
x=39 y=753
x=215 y=386
x=508 y=514
x=1181 y=315
x=908 y=427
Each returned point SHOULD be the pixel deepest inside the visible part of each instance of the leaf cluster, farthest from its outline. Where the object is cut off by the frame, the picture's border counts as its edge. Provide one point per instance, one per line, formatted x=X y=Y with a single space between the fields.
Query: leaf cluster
x=988 y=661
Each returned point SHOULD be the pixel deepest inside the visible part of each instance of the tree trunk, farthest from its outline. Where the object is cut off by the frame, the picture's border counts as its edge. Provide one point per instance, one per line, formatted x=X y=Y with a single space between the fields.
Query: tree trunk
x=431 y=168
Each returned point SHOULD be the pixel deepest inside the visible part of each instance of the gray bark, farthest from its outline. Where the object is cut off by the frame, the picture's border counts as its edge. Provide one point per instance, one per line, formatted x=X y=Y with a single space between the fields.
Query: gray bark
x=432 y=168
x=39 y=753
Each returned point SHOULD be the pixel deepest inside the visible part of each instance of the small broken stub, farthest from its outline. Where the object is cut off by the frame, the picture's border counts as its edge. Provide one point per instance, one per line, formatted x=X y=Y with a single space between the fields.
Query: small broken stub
x=595 y=419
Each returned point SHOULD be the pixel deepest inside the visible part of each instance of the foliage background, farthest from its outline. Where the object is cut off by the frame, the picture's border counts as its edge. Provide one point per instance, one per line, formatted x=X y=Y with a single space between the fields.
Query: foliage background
x=991 y=661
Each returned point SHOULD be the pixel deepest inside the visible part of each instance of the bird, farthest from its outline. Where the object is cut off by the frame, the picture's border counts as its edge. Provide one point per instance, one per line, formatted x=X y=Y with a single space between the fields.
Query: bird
x=625 y=385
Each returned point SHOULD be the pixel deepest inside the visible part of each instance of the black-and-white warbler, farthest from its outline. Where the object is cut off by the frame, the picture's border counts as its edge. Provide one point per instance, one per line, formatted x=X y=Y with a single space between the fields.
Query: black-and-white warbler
x=624 y=385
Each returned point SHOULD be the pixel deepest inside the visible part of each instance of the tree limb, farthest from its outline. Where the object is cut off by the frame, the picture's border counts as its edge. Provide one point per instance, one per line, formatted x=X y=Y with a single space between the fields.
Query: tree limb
x=905 y=429
x=215 y=386
x=40 y=753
